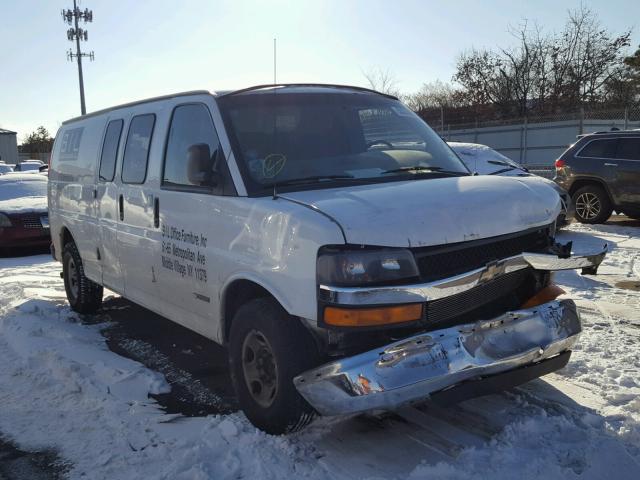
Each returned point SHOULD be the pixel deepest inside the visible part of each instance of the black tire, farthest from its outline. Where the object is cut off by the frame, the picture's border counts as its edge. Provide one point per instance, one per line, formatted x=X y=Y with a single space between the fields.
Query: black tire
x=84 y=295
x=592 y=204
x=293 y=352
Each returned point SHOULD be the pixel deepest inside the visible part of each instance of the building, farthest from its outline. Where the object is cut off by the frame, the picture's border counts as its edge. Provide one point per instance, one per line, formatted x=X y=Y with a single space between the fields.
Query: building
x=8 y=146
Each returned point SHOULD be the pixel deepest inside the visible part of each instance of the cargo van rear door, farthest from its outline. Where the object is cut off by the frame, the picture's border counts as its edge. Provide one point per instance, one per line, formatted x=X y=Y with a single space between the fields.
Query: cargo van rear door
x=107 y=191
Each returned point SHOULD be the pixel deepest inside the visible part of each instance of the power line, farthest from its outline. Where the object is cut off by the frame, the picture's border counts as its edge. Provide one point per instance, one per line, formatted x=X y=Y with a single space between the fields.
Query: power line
x=77 y=34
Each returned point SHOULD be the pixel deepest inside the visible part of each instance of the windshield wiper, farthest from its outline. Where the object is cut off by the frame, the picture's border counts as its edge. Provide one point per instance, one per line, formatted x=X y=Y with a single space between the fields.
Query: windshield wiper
x=422 y=170
x=311 y=179
x=510 y=166
x=499 y=162
x=304 y=180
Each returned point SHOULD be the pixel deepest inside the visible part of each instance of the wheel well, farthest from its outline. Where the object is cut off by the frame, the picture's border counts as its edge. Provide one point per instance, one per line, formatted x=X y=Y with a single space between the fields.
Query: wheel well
x=65 y=237
x=236 y=295
x=578 y=184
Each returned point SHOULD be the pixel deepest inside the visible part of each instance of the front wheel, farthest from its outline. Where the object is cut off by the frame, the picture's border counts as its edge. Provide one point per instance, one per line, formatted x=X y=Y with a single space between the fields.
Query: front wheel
x=592 y=204
x=267 y=349
x=84 y=295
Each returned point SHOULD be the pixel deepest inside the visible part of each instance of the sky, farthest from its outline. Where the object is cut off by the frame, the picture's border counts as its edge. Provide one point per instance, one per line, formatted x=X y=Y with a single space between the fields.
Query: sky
x=145 y=48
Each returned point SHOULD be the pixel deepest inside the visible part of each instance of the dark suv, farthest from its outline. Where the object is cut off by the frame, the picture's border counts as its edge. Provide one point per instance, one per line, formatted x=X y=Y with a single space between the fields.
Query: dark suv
x=601 y=172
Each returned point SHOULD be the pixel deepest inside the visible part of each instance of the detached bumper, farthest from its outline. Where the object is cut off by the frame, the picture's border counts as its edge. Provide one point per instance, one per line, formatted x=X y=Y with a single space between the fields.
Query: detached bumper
x=416 y=367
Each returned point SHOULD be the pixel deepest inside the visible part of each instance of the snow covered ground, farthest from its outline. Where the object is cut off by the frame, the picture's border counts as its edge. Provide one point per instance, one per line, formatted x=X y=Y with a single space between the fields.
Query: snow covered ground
x=62 y=389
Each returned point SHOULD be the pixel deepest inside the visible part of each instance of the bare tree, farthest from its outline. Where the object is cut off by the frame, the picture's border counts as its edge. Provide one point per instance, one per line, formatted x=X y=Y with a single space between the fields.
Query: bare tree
x=546 y=73
x=434 y=95
x=382 y=80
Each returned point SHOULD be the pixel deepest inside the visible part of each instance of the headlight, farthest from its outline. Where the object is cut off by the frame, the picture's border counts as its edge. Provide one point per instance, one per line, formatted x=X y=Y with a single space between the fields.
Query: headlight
x=348 y=268
x=4 y=221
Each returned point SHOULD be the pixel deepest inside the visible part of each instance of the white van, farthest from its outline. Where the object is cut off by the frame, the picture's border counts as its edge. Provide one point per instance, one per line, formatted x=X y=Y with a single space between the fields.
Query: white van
x=326 y=235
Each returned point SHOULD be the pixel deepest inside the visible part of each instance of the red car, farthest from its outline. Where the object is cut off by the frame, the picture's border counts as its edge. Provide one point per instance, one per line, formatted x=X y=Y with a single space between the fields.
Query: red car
x=24 y=220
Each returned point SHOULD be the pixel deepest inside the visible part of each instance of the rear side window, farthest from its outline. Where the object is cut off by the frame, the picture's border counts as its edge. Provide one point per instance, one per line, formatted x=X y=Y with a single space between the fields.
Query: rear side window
x=599 y=149
x=136 y=150
x=191 y=133
x=628 y=148
x=110 y=150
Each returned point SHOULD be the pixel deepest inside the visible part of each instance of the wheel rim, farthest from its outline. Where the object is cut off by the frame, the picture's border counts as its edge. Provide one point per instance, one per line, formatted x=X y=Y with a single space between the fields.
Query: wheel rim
x=73 y=278
x=260 y=369
x=588 y=206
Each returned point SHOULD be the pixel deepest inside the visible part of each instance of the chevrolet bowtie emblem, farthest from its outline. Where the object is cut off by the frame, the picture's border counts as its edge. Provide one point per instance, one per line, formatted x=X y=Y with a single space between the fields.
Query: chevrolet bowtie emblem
x=491 y=271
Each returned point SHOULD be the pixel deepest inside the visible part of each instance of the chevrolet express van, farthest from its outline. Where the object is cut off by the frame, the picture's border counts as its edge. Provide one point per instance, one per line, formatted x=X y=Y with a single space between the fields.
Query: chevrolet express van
x=326 y=236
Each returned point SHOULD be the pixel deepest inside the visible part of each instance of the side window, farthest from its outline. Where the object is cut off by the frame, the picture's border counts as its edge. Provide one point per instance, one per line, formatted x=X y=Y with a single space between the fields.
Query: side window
x=136 y=150
x=599 y=149
x=110 y=150
x=628 y=148
x=193 y=157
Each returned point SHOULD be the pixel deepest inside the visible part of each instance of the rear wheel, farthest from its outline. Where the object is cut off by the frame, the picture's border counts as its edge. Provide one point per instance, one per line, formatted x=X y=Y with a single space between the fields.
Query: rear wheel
x=267 y=349
x=592 y=204
x=84 y=295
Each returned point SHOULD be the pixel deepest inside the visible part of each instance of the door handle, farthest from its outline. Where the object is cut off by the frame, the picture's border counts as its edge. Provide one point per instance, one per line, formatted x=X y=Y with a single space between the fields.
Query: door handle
x=610 y=164
x=156 y=212
x=121 y=207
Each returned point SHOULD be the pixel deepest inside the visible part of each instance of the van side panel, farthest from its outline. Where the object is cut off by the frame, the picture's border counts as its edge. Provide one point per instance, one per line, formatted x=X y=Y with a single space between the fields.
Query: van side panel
x=179 y=263
x=72 y=180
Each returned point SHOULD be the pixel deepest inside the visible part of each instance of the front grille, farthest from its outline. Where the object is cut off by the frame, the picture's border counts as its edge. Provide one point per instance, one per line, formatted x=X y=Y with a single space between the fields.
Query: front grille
x=32 y=220
x=485 y=301
x=439 y=262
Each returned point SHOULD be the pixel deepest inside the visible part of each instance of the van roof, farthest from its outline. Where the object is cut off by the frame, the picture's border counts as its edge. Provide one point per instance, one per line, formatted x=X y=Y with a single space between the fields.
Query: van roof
x=254 y=89
x=301 y=87
x=137 y=102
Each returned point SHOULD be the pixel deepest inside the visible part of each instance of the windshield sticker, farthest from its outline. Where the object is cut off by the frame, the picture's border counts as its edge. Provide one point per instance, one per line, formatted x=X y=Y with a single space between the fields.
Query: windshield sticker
x=182 y=254
x=273 y=165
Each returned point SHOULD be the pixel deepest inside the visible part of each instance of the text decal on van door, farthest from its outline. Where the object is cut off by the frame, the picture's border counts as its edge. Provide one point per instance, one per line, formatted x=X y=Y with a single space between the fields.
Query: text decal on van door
x=181 y=252
x=70 y=145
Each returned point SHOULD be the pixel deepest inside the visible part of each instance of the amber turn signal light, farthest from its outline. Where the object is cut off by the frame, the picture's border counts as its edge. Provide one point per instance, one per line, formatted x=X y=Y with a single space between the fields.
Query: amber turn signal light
x=371 y=317
x=545 y=295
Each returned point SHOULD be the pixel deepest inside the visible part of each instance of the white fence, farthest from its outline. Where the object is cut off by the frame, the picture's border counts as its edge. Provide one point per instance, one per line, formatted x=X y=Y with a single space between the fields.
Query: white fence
x=534 y=143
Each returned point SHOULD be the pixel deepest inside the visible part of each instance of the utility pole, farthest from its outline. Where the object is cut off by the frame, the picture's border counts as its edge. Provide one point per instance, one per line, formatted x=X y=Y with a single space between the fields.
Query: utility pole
x=76 y=34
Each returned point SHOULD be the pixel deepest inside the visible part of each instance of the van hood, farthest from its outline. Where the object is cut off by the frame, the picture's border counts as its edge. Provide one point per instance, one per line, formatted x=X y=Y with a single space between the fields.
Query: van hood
x=438 y=211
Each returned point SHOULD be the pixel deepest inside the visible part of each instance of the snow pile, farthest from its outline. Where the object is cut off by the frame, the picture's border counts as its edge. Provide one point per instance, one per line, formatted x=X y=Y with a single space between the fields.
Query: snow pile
x=24 y=205
x=61 y=388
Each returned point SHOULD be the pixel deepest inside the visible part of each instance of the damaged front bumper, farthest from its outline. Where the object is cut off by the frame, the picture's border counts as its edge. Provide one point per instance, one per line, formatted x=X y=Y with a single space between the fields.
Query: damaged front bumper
x=414 y=368
x=446 y=287
x=534 y=341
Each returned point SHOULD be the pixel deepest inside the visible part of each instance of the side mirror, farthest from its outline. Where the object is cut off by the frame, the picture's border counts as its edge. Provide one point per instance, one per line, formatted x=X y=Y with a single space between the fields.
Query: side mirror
x=201 y=165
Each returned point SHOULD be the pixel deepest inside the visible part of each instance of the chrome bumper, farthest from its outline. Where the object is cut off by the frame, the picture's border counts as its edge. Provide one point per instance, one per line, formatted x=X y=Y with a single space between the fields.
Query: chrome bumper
x=412 y=369
x=425 y=292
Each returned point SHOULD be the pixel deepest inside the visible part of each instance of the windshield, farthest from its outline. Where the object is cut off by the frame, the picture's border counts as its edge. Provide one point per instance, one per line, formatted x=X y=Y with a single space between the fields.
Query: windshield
x=18 y=189
x=29 y=166
x=483 y=159
x=282 y=138
x=5 y=169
